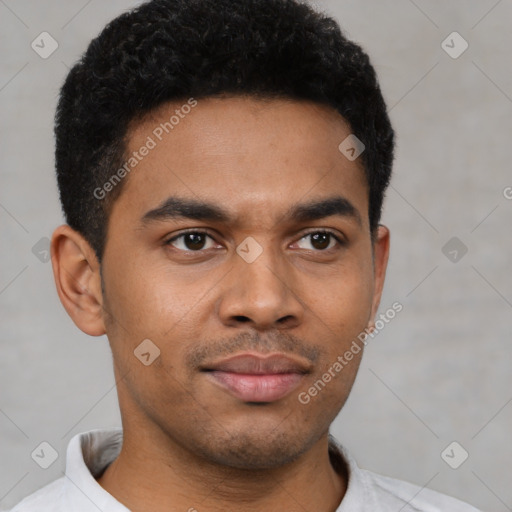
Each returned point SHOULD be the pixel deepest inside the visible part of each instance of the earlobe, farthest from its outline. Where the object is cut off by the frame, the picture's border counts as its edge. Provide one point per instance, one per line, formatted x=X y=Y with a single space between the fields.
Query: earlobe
x=77 y=277
x=380 y=263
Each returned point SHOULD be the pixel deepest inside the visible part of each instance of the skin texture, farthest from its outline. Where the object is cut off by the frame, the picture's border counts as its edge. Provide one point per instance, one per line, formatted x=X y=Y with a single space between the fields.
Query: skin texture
x=188 y=443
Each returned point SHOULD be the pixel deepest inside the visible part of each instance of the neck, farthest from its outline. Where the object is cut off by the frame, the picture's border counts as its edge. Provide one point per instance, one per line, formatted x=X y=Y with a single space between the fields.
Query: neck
x=152 y=473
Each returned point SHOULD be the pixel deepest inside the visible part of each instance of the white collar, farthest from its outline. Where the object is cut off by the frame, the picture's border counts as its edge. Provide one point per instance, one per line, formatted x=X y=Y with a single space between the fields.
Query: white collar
x=89 y=453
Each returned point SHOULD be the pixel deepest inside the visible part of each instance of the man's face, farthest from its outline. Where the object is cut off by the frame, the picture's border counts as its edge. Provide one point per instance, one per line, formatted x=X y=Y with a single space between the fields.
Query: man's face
x=263 y=281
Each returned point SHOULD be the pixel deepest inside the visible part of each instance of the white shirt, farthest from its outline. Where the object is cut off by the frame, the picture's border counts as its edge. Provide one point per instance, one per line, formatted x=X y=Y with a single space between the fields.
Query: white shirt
x=89 y=453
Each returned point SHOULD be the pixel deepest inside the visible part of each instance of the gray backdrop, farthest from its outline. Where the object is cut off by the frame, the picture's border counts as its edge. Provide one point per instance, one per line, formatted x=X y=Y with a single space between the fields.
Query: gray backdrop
x=439 y=373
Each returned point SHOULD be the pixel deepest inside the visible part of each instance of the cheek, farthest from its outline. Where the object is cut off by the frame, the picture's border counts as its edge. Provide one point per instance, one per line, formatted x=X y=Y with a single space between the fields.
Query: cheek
x=146 y=298
x=347 y=303
x=152 y=303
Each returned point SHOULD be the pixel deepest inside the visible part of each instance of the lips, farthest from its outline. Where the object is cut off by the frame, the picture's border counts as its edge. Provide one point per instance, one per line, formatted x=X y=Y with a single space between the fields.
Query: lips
x=257 y=378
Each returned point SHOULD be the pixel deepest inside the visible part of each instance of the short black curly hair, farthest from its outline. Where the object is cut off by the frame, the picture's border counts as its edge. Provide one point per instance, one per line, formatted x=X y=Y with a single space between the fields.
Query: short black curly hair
x=170 y=50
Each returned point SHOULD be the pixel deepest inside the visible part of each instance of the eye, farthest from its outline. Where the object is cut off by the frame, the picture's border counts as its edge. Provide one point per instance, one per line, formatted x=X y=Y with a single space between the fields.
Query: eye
x=194 y=241
x=321 y=240
x=197 y=241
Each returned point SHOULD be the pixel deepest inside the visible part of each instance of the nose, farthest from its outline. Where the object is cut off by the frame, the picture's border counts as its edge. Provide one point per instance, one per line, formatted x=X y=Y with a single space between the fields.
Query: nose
x=261 y=294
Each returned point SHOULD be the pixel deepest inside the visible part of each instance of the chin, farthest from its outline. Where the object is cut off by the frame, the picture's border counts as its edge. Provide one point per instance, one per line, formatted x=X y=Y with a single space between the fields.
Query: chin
x=255 y=450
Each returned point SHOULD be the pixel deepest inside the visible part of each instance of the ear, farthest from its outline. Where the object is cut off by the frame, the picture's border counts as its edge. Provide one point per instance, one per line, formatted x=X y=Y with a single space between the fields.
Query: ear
x=380 y=263
x=77 y=277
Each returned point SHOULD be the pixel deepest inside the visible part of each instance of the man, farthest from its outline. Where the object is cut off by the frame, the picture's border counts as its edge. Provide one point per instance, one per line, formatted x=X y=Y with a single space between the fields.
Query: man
x=222 y=166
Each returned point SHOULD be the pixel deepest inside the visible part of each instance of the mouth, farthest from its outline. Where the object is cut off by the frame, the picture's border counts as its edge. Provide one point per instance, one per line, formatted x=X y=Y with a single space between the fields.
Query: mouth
x=257 y=378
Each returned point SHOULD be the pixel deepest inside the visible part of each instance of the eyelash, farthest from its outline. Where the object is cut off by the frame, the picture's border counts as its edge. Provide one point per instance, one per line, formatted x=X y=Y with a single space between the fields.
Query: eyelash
x=202 y=232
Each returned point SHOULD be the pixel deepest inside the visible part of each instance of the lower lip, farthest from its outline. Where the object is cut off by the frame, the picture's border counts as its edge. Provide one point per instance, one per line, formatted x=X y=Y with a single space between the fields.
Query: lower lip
x=257 y=388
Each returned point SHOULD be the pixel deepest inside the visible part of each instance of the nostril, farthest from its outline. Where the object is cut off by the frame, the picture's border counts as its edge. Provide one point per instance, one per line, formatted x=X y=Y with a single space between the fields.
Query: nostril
x=241 y=318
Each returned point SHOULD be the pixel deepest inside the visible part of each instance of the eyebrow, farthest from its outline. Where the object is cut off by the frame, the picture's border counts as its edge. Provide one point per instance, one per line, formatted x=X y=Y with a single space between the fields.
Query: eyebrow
x=180 y=208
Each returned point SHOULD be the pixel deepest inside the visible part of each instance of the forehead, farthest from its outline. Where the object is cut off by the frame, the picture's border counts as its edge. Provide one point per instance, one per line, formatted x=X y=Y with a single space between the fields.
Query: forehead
x=254 y=157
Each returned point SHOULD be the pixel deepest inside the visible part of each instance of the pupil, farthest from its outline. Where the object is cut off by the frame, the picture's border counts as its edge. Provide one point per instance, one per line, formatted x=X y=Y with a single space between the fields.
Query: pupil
x=194 y=241
x=321 y=240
